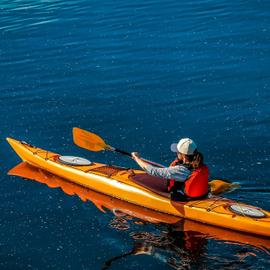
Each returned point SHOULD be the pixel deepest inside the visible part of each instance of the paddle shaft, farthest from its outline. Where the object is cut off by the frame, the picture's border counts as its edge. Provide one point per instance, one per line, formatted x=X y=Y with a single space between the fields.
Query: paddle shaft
x=129 y=155
x=121 y=152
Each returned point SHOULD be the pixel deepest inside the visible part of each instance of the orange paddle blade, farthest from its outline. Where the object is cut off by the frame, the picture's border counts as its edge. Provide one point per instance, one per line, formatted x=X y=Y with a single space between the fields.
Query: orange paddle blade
x=220 y=186
x=88 y=140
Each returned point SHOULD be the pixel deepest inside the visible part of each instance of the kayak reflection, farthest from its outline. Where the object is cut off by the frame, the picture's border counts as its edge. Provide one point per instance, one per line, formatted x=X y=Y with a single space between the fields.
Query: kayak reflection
x=180 y=237
x=172 y=246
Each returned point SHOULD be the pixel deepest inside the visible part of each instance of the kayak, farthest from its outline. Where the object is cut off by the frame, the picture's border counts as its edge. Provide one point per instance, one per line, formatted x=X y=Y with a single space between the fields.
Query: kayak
x=137 y=187
x=140 y=215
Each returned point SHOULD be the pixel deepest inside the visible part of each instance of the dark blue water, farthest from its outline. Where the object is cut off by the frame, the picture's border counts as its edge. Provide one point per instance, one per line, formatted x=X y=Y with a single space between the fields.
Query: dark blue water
x=140 y=74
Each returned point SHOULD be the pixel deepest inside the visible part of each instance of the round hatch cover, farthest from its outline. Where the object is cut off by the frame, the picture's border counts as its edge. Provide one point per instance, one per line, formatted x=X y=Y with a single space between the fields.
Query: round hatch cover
x=74 y=161
x=246 y=211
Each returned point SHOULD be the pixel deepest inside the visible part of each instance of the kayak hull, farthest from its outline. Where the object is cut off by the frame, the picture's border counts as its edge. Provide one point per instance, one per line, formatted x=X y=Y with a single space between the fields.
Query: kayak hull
x=118 y=183
x=123 y=209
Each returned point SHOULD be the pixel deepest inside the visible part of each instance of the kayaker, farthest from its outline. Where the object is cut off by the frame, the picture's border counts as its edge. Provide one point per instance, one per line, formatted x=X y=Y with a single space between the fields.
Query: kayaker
x=187 y=175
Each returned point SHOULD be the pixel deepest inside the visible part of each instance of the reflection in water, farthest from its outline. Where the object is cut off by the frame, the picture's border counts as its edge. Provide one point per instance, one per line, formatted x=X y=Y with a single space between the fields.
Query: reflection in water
x=173 y=245
x=177 y=242
x=184 y=245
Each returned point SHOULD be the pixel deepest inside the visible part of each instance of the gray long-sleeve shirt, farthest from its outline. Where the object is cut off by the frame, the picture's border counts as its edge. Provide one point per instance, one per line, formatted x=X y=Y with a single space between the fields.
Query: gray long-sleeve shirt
x=178 y=173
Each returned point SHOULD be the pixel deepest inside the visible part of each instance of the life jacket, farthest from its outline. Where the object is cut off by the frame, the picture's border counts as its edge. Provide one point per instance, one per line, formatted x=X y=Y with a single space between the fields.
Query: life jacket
x=196 y=184
x=171 y=182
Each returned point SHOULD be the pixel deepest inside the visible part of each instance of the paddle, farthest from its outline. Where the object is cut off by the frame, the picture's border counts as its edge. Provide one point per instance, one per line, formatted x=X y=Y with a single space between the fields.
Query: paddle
x=93 y=142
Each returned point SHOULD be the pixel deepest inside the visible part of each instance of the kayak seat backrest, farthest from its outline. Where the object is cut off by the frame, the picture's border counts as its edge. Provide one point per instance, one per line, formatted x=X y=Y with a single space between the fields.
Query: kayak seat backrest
x=153 y=183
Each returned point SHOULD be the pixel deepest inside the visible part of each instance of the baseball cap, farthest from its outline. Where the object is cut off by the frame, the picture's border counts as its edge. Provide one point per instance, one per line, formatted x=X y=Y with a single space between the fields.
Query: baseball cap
x=185 y=146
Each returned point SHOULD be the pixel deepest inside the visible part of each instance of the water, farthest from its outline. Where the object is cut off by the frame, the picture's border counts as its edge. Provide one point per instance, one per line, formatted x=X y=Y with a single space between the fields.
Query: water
x=141 y=75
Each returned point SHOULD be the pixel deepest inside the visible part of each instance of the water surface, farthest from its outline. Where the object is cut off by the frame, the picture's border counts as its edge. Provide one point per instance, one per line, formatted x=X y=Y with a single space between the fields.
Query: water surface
x=141 y=75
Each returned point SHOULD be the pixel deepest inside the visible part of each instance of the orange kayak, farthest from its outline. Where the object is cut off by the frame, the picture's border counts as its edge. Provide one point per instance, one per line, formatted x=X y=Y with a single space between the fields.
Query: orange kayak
x=136 y=187
x=139 y=215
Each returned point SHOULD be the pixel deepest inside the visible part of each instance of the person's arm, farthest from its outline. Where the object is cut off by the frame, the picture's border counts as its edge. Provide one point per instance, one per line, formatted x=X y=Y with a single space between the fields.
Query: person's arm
x=179 y=173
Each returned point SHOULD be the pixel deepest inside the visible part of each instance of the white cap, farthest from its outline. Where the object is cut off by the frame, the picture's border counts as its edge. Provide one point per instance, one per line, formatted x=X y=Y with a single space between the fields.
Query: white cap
x=185 y=146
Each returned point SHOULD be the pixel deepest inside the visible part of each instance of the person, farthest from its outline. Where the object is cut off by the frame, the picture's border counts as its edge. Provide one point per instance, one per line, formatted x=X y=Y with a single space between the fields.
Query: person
x=187 y=176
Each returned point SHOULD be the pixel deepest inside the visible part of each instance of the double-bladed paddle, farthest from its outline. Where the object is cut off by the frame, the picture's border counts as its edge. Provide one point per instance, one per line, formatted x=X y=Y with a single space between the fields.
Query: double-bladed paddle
x=93 y=142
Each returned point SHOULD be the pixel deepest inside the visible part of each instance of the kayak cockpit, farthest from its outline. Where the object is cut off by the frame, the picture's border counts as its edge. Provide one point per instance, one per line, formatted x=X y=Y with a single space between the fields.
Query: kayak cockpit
x=152 y=183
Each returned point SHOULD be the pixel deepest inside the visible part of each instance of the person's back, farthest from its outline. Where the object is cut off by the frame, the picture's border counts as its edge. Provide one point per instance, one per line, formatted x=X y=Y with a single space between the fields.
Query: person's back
x=197 y=183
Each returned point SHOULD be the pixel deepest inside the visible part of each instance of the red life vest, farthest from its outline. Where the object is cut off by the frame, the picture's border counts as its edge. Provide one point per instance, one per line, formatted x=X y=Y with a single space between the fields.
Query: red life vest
x=196 y=184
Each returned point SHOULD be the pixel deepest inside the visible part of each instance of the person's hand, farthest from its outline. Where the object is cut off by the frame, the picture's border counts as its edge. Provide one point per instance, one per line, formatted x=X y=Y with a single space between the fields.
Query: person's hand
x=135 y=155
